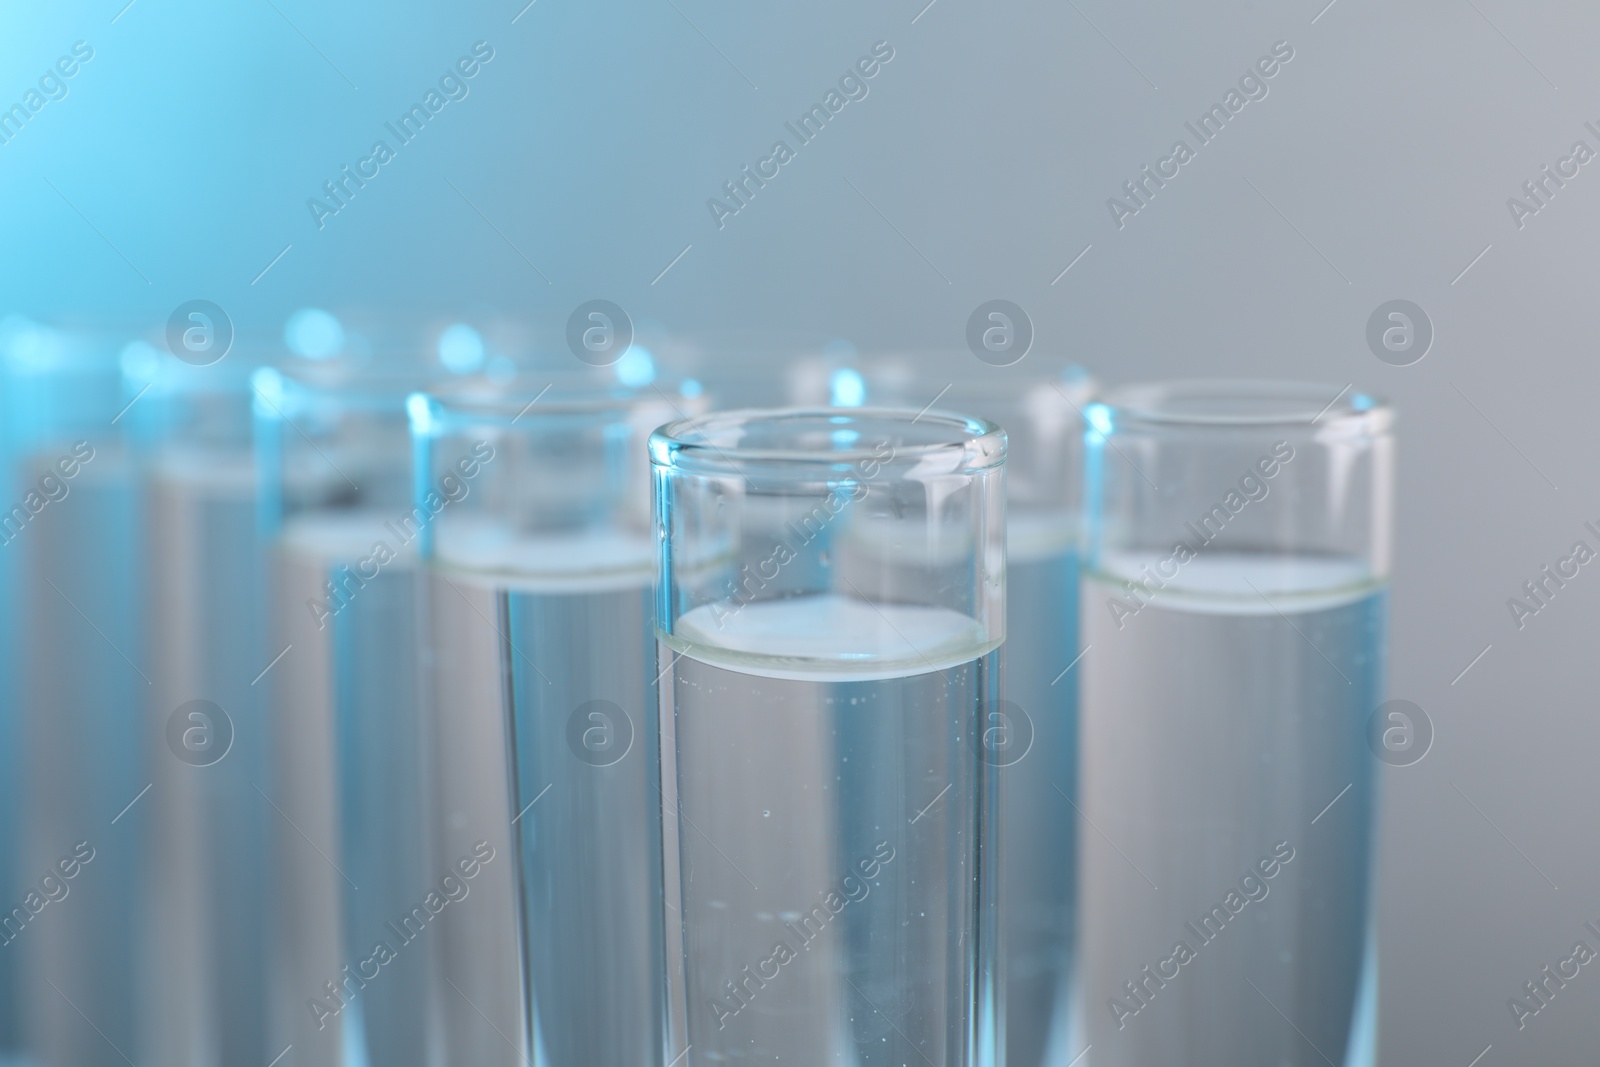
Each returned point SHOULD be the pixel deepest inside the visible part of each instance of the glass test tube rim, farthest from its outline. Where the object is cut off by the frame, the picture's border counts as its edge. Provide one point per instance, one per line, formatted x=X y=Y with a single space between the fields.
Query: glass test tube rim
x=305 y=403
x=1155 y=414
x=971 y=445
x=538 y=409
x=465 y=402
x=1151 y=408
x=178 y=405
x=984 y=380
x=292 y=386
x=68 y=344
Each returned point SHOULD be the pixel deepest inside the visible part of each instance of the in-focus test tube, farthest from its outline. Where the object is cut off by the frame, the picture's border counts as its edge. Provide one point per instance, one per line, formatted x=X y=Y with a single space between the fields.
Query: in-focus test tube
x=830 y=602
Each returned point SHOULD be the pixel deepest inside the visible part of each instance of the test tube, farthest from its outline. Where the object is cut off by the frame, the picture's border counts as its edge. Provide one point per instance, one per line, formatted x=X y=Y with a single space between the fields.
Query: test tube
x=1234 y=613
x=72 y=524
x=540 y=662
x=830 y=602
x=13 y=329
x=1033 y=732
x=356 y=980
x=203 y=996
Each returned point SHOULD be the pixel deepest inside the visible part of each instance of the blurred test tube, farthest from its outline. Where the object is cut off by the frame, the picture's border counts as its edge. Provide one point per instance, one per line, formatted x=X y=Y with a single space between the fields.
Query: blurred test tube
x=350 y=758
x=1033 y=731
x=204 y=982
x=71 y=530
x=538 y=639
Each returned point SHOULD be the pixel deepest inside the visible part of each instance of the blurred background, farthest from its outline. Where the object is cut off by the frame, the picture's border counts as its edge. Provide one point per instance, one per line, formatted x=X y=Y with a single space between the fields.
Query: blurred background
x=185 y=158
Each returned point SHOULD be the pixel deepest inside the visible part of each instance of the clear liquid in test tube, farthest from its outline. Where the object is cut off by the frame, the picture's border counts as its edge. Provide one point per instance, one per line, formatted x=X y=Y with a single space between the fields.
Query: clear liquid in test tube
x=13 y=332
x=1235 y=610
x=1033 y=733
x=73 y=524
x=203 y=991
x=541 y=668
x=358 y=890
x=830 y=604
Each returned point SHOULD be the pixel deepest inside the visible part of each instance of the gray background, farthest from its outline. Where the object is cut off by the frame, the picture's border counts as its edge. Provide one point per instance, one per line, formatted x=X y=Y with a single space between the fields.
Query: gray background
x=1378 y=167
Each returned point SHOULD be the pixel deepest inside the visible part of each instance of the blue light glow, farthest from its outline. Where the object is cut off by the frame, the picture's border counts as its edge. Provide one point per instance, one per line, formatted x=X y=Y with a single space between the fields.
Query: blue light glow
x=846 y=388
x=140 y=362
x=1099 y=418
x=313 y=333
x=461 y=349
x=636 y=367
x=27 y=344
x=421 y=412
x=267 y=384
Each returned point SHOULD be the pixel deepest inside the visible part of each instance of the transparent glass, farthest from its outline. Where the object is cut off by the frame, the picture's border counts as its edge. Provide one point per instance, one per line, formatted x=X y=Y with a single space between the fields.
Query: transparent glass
x=349 y=768
x=1033 y=731
x=1234 y=613
x=203 y=995
x=71 y=718
x=830 y=601
x=538 y=657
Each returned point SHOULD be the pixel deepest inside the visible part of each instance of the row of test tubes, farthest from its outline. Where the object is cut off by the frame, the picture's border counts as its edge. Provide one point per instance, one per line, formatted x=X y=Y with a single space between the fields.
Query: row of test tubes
x=375 y=709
